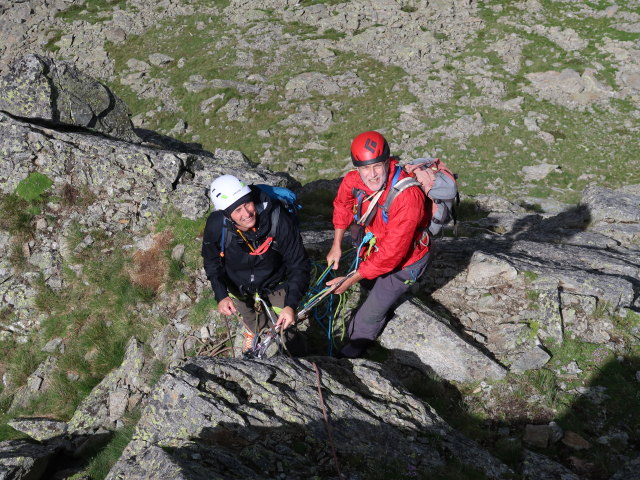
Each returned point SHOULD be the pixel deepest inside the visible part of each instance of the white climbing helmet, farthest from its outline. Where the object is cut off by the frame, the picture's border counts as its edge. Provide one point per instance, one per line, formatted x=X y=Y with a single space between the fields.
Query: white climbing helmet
x=226 y=190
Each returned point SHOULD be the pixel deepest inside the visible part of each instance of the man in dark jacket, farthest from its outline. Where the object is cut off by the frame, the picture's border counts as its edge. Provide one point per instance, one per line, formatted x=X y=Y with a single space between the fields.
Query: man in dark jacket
x=252 y=245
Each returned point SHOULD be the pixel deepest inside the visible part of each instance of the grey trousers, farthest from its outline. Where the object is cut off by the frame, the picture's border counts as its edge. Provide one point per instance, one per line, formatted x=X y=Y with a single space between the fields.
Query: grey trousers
x=371 y=317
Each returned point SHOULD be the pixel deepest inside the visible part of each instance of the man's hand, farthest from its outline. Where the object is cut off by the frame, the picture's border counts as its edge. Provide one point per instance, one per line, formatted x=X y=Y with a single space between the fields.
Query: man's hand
x=334 y=255
x=226 y=306
x=286 y=319
x=353 y=279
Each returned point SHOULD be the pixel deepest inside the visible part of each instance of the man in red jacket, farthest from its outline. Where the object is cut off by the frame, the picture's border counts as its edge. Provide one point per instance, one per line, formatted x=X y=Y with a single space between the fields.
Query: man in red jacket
x=400 y=254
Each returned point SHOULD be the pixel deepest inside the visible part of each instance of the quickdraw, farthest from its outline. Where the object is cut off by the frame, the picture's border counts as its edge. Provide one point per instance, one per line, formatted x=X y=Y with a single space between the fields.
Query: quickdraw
x=269 y=335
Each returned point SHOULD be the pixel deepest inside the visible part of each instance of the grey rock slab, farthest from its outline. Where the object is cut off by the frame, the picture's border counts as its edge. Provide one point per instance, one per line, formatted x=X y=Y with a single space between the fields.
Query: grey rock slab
x=569 y=88
x=41 y=88
x=531 y=359
x=614 y=206
x=39 y=428
x=213 y=416
x=419 y=338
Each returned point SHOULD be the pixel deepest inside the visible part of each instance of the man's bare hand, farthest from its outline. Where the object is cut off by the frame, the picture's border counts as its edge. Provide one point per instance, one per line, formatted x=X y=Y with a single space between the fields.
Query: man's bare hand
x=286 y=318
x=333 y=257
x=226 y=306
x=353 y=279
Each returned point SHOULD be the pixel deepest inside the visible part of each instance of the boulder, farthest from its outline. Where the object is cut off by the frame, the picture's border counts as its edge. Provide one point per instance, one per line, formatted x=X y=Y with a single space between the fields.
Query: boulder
x=41 y=88
x=39 y=429
x=417 y=337
x=539 y=467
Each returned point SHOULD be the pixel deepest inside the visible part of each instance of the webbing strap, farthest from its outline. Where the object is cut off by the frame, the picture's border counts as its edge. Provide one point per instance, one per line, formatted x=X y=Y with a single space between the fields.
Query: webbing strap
x=368 y=215
x=399 y=187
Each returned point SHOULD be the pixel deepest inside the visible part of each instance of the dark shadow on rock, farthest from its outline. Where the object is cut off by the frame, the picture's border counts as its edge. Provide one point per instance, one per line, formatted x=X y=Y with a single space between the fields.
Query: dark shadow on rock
x=604 y=415
x=294 y=451
x=169 y=143
x=63 y=453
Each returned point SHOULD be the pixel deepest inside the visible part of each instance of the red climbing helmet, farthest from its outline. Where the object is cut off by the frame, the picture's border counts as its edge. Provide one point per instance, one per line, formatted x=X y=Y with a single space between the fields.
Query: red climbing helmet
x=369 y=148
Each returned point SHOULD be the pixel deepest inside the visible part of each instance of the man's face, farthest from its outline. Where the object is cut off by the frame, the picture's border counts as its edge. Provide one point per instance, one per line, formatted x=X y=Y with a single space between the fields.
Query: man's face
x=374 y=175
x=244 y=216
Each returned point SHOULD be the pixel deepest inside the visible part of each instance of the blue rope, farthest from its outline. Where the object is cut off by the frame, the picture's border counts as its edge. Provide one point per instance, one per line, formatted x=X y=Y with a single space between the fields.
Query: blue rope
x=324 y=313
x=368 y=236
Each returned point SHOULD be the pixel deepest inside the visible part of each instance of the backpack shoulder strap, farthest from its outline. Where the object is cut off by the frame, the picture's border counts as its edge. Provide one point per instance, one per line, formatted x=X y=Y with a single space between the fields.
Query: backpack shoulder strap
x=275 y=217
x=225 y=237
x=399 y=187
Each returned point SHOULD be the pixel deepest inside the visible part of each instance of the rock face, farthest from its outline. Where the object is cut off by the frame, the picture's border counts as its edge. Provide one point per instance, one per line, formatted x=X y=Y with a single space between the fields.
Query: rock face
x=222 y=418
x=40 y=88
x=544 y=277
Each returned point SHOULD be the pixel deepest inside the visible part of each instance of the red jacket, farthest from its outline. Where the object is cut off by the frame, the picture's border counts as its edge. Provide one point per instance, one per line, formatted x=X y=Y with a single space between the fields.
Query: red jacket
x=398 y=239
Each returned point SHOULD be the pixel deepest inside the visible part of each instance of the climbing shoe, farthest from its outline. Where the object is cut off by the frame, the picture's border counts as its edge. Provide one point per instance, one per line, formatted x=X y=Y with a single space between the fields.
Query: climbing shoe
x=249 y=340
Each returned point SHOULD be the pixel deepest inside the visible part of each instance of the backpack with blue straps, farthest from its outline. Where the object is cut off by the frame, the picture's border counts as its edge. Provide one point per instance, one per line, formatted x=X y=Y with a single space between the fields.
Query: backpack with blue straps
x=437 y=182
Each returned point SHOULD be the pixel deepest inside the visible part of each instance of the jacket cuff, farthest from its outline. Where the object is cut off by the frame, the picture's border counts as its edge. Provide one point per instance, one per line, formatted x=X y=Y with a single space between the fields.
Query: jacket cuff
x=219 y=291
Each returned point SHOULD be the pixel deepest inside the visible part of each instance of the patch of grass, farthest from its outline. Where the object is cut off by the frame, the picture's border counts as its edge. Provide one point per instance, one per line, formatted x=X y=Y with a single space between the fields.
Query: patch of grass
x=544 y=381
x=573 y=350
x=92 y=11
x=409 y=8
x=534 y=328
x=33 y=187
x=199 y=314
x=107 y=457
x=533 y=295
x=21 y=360
x=468 y=210
x=16 y=218
x=509 y=450
x=95 y=314
x=184 y=232
x=51 y=43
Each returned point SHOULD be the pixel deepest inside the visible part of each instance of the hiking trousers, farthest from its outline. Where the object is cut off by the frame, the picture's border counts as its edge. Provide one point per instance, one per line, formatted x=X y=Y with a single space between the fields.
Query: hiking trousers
x=256 y=320
x=371 y=317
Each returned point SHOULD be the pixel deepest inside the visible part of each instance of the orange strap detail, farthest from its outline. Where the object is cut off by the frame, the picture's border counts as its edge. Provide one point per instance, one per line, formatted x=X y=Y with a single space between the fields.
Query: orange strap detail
x=263 y=248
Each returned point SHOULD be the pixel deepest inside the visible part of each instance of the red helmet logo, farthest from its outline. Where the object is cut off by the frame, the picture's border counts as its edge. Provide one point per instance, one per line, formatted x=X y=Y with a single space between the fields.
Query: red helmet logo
x=369 y=148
